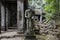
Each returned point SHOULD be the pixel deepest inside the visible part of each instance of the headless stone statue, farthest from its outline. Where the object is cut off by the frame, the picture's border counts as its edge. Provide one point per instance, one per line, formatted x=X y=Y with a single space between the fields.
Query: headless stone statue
x=29 y=15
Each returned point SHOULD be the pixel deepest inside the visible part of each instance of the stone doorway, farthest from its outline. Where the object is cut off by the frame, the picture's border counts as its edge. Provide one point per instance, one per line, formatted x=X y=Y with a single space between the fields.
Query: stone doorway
x=12 y=16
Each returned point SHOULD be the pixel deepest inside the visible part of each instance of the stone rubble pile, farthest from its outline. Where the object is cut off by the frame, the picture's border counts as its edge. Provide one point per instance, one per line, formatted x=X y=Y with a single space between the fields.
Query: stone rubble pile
x=49 y=29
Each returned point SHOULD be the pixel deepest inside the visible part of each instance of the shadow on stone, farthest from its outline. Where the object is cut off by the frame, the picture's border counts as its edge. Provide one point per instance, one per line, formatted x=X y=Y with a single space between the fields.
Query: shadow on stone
x=30 y=37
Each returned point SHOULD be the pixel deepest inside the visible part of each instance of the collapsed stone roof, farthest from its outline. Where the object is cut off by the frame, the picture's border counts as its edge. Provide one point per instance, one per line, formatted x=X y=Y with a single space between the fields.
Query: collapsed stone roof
x=39 y=12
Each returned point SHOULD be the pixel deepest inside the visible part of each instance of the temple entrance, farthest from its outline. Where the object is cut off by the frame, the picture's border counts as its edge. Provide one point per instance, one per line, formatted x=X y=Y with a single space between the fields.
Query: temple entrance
x=12 y=6
x=12 y=14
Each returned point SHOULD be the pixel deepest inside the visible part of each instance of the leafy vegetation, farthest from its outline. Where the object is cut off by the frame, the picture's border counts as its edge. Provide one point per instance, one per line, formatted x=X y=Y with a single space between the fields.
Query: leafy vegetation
x=52 y=8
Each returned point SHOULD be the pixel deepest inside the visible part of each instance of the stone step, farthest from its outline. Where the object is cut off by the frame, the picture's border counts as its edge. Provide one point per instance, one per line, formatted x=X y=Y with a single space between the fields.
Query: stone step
x=12 y=36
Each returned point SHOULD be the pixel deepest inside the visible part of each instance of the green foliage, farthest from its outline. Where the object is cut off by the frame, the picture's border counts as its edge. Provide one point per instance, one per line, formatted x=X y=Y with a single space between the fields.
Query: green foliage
x=51 y=7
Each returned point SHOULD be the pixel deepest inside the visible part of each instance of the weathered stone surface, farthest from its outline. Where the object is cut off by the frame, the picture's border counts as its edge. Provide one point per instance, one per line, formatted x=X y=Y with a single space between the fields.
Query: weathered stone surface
x=51 y=37
x=51 y=28
x=2 y=16
x=16 y=38
x=20 y=15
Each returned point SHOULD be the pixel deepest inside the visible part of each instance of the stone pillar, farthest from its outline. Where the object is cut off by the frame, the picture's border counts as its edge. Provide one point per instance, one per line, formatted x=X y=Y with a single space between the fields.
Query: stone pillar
x=6 y=18
x=41 y=18
x=40 y=10
x=20 y=15
x=2 y=16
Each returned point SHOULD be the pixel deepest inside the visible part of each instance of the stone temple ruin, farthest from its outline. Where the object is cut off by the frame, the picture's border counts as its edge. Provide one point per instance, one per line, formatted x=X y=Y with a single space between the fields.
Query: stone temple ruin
x=14 y=14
